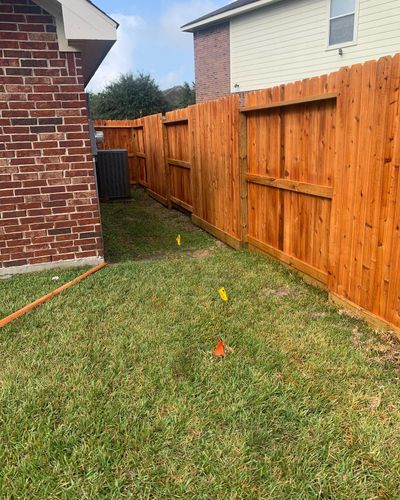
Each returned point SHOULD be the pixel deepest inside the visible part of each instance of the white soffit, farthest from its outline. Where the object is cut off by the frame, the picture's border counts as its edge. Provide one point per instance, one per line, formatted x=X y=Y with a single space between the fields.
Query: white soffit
x=82 y=27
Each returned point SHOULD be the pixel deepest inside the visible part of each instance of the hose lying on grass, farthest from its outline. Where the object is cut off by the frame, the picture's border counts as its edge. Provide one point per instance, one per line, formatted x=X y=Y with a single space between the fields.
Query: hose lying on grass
x=39 y=302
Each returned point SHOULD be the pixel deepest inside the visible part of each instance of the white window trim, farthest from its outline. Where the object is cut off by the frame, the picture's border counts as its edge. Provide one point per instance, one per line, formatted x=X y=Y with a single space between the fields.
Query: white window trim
x=355 y=33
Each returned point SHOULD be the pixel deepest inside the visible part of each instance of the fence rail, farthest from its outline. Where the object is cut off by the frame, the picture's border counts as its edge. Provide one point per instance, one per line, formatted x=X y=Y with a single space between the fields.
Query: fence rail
x=307 y=172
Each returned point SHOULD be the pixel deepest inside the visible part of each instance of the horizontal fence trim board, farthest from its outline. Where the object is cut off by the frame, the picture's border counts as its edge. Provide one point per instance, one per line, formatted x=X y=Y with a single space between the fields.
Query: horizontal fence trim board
x=294 y=102
x=289 y=260
x=141 y=155
x=158 y=197
x=221 y=235
x=181 y=204
x=179 y=163
x=372 y=319
x=295 y=186
x=176 y=122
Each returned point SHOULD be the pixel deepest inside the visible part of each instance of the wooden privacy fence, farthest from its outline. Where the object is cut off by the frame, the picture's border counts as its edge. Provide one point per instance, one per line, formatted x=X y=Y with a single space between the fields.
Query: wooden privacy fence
x=306 y=172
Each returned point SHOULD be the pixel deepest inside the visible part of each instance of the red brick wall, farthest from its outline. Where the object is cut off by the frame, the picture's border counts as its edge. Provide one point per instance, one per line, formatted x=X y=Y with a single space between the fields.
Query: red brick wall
x=48 y=201
x=212 y=62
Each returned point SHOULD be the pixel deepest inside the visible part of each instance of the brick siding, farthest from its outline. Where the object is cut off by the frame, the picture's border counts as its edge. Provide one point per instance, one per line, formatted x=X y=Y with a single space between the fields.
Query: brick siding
x=212 y=62
x=48 y=201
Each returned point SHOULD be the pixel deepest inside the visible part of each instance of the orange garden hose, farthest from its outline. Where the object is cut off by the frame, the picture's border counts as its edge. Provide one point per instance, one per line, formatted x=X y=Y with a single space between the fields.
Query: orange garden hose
x=49 y=296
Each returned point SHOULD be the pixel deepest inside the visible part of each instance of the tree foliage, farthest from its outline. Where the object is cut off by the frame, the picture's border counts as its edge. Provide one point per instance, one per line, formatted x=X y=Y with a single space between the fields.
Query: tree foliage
x=188 y=95
x=128 y=98
x=180 y=96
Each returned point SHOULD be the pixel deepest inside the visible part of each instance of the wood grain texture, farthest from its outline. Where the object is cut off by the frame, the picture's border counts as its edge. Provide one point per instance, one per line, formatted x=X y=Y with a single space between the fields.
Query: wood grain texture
x=291 y=149
x=287 y=103
x=157 y=181
x=289 y=185
x=179 y=155
x=216 y=172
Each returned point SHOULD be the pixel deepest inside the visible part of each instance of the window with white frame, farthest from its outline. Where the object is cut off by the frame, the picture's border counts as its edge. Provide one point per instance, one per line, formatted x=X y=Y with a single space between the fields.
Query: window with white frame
x=342 y=21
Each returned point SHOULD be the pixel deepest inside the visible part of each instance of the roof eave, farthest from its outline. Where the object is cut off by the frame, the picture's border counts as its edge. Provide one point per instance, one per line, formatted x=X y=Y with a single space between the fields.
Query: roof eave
x=225 y=16
x=104 y=13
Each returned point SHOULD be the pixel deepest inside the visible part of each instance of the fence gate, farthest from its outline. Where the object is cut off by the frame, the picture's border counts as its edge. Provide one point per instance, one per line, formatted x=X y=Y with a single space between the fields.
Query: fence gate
x=178 y=159
x=290 y=158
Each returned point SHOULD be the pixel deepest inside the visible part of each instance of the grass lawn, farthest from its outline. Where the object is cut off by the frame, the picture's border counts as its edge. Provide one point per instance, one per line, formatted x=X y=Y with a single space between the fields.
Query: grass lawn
x=111 y=389
x=142 y=229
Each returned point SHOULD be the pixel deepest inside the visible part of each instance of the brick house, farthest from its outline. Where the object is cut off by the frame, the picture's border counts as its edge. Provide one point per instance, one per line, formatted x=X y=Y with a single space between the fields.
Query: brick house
x=49 y=212
x=254 y=44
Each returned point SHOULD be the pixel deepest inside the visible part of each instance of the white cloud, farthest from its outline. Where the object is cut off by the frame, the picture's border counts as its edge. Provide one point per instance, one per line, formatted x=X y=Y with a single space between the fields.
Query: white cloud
x=181 y=12
x=172 y=78
x=178 y=13
x=121 y=58
x=160 y=38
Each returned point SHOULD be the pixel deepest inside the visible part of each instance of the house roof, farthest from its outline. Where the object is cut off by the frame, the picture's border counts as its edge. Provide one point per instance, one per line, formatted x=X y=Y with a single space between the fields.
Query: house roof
x=222 y=14
x=102 y=11
x=226 y=8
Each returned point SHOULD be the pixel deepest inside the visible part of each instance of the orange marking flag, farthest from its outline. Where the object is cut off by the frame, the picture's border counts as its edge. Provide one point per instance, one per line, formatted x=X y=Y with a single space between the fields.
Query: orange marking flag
x=220 y=349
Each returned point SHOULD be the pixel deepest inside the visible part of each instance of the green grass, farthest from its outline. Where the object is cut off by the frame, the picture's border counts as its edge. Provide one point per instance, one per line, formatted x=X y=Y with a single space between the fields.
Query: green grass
x=111 y=389
x=18 y=291
x=130 y=235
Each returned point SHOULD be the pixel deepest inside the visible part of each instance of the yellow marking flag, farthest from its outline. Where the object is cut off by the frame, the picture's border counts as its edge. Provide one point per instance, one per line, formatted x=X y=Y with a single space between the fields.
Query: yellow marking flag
x=179 y=240
x=223 y=294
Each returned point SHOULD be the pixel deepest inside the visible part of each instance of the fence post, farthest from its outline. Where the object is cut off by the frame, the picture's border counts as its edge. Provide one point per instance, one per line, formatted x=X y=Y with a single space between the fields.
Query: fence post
x=243 y=182
x=166 y=162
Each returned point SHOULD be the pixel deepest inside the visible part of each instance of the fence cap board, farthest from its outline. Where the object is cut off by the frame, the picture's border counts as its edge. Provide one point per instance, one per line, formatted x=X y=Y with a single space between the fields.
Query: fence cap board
x=294 y=102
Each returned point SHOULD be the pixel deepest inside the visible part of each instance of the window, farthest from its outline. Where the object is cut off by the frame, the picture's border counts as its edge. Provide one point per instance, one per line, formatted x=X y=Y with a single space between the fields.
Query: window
x=342 y=21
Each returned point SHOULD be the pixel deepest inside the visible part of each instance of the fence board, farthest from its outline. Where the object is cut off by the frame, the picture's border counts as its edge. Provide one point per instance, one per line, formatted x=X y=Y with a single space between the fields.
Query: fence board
x=296 y=159
x=216 y=171
x=155 y=158
x=179 y=157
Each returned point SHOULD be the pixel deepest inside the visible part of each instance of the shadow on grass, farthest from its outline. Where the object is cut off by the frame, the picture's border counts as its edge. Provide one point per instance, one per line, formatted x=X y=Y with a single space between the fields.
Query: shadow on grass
x=141 y=229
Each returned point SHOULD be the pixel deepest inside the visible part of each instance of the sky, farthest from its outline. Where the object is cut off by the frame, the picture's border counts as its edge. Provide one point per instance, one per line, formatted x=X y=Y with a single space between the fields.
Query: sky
x=150 y=40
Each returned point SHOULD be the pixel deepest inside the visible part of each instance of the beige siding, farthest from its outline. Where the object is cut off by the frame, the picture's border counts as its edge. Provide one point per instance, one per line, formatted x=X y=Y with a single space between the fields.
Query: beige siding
x=288 y=41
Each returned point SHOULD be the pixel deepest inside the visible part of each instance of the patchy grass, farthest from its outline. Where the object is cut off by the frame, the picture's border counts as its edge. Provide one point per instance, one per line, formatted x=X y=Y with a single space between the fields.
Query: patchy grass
x=143 y=229
x=111 y=389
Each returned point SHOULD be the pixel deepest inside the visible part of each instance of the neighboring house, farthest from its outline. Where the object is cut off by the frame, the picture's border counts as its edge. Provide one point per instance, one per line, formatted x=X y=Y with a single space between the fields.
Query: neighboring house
x=49 y=212
x=253 y=44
